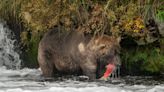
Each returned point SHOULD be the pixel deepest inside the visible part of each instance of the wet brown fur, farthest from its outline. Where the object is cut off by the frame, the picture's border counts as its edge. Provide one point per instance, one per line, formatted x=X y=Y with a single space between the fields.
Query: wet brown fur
x=72 y=52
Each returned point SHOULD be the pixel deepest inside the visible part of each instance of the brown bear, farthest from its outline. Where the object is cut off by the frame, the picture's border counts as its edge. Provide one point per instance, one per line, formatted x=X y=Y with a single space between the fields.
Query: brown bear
x=75 y=52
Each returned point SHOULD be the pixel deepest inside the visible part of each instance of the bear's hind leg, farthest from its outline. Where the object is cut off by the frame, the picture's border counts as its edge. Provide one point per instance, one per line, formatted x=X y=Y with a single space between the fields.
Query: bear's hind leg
x=47 y=67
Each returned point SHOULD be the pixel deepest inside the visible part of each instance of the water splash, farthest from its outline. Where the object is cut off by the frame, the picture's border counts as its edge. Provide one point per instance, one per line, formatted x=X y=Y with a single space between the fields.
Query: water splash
x=116 y=73
x=8 y=56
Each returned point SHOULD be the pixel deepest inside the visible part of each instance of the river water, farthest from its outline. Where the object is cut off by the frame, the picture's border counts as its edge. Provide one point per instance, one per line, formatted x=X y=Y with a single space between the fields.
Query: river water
x=14 y=79
x=29 y=80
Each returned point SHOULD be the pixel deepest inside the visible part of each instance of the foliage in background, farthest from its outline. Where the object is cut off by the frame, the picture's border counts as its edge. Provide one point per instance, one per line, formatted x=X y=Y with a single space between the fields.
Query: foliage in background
x=129 y=17
x=145 y=60
x=31 y=53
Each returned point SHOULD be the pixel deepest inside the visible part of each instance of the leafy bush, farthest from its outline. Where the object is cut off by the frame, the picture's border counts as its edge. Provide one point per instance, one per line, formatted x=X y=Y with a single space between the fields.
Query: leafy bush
x=143 y=60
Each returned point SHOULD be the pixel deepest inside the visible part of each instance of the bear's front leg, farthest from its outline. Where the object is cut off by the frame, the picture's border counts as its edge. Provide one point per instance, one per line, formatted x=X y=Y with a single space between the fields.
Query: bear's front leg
x=89 y=69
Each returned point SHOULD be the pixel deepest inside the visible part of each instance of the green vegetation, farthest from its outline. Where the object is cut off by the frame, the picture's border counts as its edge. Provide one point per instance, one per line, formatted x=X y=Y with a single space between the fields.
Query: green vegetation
x=143 y=60
x=141 y=20
x=31 y=52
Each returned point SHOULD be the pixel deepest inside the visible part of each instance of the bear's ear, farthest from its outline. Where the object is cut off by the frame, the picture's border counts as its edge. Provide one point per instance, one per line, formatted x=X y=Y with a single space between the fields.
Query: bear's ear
x=81 y=47
x=96 y=41
x=118 y=39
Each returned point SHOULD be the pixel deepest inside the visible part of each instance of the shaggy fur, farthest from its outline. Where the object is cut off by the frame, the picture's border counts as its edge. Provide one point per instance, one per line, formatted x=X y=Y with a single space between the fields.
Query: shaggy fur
x=73 y=52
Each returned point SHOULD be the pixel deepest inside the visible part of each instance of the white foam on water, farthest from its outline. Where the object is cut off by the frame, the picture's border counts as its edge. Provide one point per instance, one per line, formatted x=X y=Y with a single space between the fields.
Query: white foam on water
x=86 y=89
x=24 y=80
x=8 y=56
x=157 y=89
x=70 y=89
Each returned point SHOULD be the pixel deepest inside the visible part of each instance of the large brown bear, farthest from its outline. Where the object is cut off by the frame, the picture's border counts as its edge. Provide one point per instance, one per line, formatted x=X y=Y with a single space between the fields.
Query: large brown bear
x=74 y=52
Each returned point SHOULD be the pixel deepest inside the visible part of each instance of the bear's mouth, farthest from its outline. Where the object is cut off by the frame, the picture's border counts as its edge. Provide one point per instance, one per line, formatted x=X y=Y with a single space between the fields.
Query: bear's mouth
x=109 y=69
x=106 y=67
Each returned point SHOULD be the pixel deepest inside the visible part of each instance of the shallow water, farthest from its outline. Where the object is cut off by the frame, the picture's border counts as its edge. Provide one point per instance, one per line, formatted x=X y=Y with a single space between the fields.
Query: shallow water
x=30 y=80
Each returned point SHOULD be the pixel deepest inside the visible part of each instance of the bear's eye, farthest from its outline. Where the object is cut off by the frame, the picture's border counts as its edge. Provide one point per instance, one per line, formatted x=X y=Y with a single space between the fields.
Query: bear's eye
x=102 y=46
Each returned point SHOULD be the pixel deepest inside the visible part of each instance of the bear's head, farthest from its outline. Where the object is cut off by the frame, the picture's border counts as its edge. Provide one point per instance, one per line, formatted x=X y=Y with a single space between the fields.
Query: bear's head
x=102 y=48
x=105 y=47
